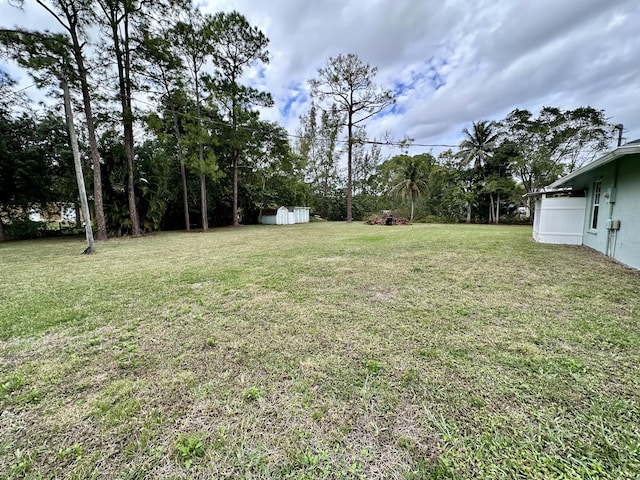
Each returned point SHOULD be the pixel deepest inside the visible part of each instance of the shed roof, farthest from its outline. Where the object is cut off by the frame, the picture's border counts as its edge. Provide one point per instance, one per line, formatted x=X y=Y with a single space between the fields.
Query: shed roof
x=626 y=149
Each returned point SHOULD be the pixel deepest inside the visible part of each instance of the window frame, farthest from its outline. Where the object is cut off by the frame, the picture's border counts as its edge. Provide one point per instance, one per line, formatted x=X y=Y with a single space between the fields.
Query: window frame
x=595 y=204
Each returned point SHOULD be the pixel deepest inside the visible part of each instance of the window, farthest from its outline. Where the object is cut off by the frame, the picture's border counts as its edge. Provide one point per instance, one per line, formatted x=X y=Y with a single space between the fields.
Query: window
x=597 y=187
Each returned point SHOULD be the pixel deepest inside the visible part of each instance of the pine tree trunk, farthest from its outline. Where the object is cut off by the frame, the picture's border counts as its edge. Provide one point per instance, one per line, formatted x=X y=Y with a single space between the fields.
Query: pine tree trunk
x=183 y=175
x=185 y=197
x=349 y=168
x=1 y=231
x=133 y=210
x=468 y=212
x=235 y=154
x=203 y=179
x=491 y=208
x=124 y=66
x=498 y=210
x=234 y=209
x=203 y=201
x=93 y=144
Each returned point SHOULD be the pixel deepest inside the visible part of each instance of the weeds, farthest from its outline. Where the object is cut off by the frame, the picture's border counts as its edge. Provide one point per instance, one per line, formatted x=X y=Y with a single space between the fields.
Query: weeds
x=10 y=384
x=252 y=394
x=74 y=452
x=373 y=366
x=319 y=351
x=189 y=448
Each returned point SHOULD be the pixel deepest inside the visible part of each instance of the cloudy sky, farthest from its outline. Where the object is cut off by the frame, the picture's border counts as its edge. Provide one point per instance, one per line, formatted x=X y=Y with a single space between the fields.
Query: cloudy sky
x=449 y=62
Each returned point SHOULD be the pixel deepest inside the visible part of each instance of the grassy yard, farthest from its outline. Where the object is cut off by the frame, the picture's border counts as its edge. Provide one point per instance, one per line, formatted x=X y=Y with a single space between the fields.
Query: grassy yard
x=318 y=351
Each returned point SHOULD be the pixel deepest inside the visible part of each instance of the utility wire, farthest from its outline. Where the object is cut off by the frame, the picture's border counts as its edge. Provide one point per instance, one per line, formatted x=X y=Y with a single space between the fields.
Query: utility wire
x=391 y=143
x=15 y=93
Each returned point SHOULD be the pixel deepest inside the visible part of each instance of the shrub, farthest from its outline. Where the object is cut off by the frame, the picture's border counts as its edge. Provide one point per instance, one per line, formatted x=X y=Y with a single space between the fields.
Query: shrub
x=25 y=229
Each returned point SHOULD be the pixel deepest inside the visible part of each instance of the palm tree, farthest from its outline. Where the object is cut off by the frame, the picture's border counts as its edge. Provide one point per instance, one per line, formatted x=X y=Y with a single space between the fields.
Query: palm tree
x=476 y=147
x=479 y=144
x=410 y=177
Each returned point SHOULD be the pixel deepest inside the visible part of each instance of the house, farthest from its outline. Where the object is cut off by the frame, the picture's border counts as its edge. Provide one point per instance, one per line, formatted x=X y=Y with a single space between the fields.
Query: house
x=54 y=212
x=57 y=212
x=597 y=205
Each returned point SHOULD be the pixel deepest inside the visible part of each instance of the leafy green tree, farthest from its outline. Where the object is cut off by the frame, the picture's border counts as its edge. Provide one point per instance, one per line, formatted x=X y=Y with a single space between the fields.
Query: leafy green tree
x=276 y=173
x=236 y=46
x=76 y=17
x=193 y=41
x=111 y=147
x=476 y=148
x=201 y=157
x=554 y=142
x=165 y=69
x=46 y=57
x=157 y=166
x=23 y=172
x=317 y=145
x=119 y=18
x=409 y=176
x=497 y=174
x=449 y=193
x=347 y=82
x=366 y=158
x=36 y=168
x=478 y=144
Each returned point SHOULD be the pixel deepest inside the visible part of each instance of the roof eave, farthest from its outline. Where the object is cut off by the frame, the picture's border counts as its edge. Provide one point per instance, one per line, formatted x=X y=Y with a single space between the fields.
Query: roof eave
x=628 y=149
x=549 y=190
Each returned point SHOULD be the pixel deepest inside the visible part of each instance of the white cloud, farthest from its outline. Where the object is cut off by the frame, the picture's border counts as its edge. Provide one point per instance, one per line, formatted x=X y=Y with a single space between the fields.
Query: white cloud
x=452 y=62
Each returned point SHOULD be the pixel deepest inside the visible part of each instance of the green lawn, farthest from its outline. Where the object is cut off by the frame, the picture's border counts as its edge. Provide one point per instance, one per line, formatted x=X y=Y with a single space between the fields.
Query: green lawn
x=318 y=351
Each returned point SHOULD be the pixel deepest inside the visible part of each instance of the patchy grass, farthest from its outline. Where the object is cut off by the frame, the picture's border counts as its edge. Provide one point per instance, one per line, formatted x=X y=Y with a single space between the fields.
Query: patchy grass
x=319 y=351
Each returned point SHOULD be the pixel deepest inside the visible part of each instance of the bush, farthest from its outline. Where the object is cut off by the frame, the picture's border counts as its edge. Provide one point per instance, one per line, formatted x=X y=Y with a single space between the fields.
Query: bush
x=26 y=229
x=516 y=220
x=437 y=219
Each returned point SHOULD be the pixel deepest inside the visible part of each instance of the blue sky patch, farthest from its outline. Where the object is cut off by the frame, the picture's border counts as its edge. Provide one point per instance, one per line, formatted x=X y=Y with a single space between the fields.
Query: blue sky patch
x=297 y=94
x=434 y=66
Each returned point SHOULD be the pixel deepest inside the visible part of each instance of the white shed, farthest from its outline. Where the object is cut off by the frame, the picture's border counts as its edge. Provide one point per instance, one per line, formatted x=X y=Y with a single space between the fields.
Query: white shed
x=282 y=216
x=285 y=216
x=559 y=217
x=301 y=214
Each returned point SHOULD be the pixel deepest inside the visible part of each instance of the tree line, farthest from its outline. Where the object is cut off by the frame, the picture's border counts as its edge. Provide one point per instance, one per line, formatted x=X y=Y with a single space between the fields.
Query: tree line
x=171 y=126
x=484 y=180
x=179 y=97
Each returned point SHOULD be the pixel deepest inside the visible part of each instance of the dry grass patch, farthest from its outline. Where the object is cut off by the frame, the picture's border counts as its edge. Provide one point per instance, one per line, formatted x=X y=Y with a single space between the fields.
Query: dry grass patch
x=319 y=351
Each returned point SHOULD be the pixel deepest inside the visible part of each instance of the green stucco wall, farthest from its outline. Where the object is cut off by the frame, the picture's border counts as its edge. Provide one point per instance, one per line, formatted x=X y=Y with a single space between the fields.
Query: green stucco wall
x=627 y=210
x=597 y=239
x=624 y=175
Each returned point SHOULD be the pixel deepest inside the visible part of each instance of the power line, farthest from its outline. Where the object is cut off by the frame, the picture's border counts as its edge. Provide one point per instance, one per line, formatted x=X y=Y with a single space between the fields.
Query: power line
x=111 y=91
x=12 y=93
x=390 y=143
x=409 y=144
x=25 y=88
x=344 y=142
